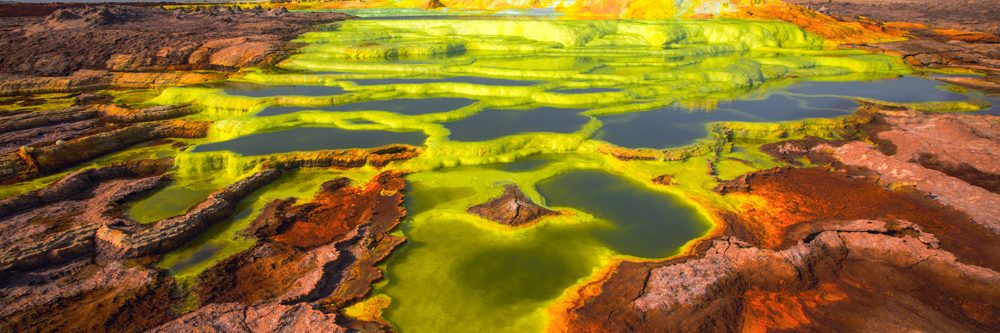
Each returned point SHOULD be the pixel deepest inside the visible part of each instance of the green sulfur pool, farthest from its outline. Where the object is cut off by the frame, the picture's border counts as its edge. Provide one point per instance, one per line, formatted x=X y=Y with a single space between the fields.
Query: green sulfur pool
x=536 y=103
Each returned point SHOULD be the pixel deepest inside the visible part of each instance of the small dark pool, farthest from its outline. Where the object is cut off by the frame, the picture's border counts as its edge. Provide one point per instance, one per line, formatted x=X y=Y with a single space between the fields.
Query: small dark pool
x=907 y=89
x=494 y=123
x=310 y=139
x=676 y=126
x=257 y=90
x=455 y=79
x=407 y=106
x=586 y=90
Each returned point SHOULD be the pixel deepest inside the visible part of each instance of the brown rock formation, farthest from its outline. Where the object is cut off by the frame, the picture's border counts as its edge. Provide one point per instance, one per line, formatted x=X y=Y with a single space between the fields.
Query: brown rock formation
x=973 y=15
x=83 y=296
x=80 y=48
x=63 y=244
x=44 y=142
x=798 y=198
x=47 y=249
x=133 y=38
x=322 y=253
x=665 y=180
x=512 y=208
x=341 y=158
x=866 y=279
x=52 y=225
x=57 y=223
x=962 y=146
x=979 y=203
x=269 y=317
x=125 y=238
x=953 y=158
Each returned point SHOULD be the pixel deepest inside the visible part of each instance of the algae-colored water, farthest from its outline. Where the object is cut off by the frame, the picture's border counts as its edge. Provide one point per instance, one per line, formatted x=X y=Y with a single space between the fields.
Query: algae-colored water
x=536 y=103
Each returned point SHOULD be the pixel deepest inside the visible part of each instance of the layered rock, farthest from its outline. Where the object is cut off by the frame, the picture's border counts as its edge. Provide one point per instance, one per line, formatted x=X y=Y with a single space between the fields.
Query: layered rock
x=799 y=199
x=341 y=158
x=81 y=216
x=952 y=158
x=125 y=238
x=969 y=15
x=99 y=47
x=88 y=297
x=45 y=142
x=312 y=260
x=132 y=38
x=962 y=146
x=511 y=208
x=268 y=317
x=832 y=280
x=57 y=223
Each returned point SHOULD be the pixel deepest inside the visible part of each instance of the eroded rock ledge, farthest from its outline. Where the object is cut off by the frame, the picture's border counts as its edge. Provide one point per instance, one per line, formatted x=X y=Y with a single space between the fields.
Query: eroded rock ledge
x=70 y=248
x=94 y=225
x=312 y=260
x=44 y=142
x=848 y=279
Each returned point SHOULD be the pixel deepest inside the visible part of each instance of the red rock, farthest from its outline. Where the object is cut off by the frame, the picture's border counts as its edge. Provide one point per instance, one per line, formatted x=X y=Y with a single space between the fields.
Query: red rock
x=734 y=286
x=269 y=317
x=512 y=208
x=975 y=201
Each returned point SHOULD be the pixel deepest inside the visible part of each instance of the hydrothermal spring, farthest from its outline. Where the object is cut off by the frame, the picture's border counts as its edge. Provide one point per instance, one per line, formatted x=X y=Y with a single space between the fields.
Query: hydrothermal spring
x=544 y=104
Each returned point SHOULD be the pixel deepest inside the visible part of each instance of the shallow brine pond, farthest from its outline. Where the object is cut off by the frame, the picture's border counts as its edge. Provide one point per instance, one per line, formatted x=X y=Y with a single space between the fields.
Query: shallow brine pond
x=538 y=104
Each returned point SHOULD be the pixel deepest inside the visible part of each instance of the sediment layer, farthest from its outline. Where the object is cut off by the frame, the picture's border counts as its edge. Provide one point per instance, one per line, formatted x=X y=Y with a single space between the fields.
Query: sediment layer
x=80 y=48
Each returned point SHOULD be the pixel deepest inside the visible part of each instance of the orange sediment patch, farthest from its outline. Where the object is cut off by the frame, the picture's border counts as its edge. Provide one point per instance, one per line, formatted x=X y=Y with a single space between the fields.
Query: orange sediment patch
x=335 y=212
x=802 y=195
x=783 y=310
x=561 y=314
x=296 y=243
x=968 y=36
x=813 y=195
x=833 y=30
x=905 y=25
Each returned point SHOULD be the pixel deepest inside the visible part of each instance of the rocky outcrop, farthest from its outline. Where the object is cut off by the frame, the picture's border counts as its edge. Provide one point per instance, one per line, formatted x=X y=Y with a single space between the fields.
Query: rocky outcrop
x=269 y=317
x=979 y=203
x=43 y=128
x=132 y=38
x=665 y=180
x=341 y=158
x=153 y=113
x=125 y=238
x=89 y=80
x=87 y=297
x=940 y=51
x=962 y=146
x=950 y=157
x=831 y=280
x=512 y=208
x=81 y=182
x=30 y=120
x=78 y=81
x=313 y=259
x=57 y=224
x=83 y=48
x=81 y=216
x=802 y=198
x=968 y=15
x=29 y=162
